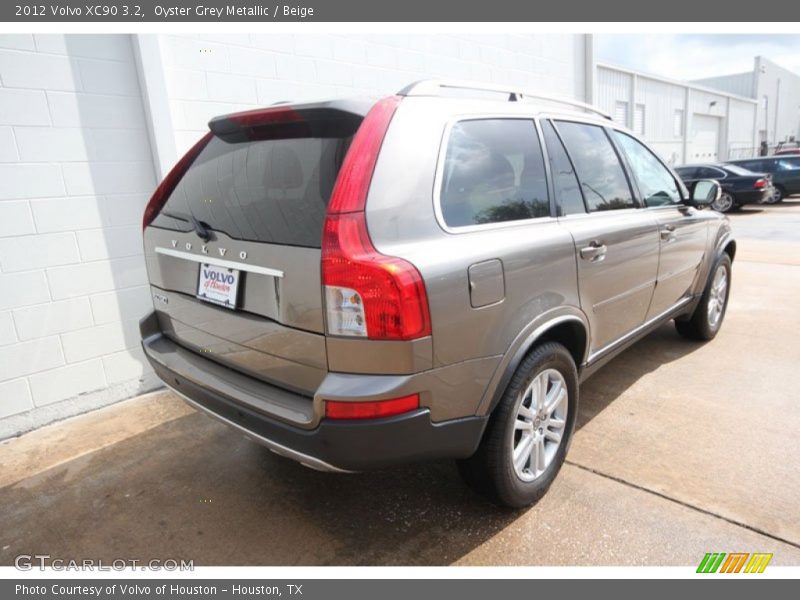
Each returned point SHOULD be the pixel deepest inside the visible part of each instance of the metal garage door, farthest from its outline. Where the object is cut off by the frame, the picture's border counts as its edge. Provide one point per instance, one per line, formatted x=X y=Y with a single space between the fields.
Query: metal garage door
x=705 y=138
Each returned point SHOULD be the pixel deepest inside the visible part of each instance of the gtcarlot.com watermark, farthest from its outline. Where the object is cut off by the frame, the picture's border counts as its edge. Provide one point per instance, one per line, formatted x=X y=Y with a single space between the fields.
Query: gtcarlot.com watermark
x=29 y=562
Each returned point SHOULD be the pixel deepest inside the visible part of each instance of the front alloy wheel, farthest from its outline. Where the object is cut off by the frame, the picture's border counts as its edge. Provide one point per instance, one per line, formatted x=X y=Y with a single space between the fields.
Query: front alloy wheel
x=706 y=320
x=717 y=297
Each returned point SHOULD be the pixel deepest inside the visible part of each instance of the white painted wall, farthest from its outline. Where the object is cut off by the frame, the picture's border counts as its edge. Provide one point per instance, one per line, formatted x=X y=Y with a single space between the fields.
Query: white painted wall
x=89 y=123
x=75 y=173
x=778 y=116
x=782 y=111
x=208 y=75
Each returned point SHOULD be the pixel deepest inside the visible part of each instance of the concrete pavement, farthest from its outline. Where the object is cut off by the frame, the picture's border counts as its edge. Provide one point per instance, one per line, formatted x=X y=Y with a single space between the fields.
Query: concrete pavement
x=682 y=448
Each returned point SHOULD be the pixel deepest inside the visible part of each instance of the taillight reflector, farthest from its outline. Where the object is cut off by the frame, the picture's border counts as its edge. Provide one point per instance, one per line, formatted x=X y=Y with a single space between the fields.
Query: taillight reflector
x=163 y=191
x=760 y=184
x=335 y=409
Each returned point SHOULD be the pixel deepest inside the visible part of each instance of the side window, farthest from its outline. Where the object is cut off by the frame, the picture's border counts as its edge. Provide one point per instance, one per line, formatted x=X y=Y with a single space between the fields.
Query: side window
x=709 y=173
x=688 y=172
x=569 y=199
x=753 y=165
x=602 y=178
x=656 y=183
x=493 y=172
x=788 y=164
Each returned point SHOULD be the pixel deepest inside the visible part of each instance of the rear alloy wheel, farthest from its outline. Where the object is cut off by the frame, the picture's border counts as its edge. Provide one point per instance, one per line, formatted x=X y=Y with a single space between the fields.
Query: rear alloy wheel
x=725 y=203
x=777 y=196
x=528 y=435
x=539 y=427
x=707 y=317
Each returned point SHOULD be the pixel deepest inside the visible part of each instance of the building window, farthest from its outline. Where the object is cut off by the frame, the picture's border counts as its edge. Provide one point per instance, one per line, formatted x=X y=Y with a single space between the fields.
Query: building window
x=638 y=119
x=677 y=124
x=621 y=113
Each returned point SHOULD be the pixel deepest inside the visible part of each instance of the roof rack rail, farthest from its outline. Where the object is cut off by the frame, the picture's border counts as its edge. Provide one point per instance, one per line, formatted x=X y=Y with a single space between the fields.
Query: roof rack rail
x=434 y=87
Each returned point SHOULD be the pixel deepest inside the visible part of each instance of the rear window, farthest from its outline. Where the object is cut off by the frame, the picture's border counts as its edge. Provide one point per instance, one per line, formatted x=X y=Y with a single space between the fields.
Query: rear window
x=738 y=170
x=270 y=190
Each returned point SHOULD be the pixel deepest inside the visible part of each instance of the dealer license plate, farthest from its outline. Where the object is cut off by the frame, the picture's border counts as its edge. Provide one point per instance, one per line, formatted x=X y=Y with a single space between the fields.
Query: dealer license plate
x=218 y=285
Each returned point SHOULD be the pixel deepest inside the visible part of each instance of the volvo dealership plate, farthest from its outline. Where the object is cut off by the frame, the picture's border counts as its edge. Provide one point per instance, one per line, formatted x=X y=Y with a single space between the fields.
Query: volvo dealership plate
x=218 y=285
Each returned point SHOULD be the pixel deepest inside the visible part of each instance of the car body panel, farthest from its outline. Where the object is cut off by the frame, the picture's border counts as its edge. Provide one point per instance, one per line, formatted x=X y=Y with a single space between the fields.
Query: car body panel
x=493 y=290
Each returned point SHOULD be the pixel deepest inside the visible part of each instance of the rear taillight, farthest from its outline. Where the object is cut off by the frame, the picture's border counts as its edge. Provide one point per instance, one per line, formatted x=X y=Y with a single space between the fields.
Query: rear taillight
x=163 y=191
x=760 y=184
x=367 y=294
x=335 y=409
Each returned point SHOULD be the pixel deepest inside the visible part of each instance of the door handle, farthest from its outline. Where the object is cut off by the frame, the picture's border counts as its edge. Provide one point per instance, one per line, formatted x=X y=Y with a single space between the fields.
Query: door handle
x=594 y=252
x=668 y=233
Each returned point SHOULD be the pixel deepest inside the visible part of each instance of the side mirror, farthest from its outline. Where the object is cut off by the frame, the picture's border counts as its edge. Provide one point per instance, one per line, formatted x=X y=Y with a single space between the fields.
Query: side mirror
x=705 y=192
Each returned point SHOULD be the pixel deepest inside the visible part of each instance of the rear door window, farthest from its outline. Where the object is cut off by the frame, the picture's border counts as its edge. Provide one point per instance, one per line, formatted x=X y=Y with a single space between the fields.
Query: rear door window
x=602 y=178
x=493 y=172
x=274 y=191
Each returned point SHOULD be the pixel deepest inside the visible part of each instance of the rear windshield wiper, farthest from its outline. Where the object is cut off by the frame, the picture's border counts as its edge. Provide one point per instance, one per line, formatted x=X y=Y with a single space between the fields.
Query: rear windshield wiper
x=202 y=229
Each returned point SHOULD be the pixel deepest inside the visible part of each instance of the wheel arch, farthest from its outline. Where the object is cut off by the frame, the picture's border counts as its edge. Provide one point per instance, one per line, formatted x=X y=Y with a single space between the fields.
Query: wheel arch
x=571 y=329
x=730 y=249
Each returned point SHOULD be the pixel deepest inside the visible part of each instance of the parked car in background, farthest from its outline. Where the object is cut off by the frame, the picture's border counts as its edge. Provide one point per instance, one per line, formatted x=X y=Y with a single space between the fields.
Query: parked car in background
x=785 y=172
x=358 y=284
x=739 y=186
x=787 y=148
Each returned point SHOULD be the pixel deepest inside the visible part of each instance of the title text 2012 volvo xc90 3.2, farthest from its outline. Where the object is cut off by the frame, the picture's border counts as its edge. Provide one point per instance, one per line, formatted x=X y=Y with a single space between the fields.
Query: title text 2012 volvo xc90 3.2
x=357 y=284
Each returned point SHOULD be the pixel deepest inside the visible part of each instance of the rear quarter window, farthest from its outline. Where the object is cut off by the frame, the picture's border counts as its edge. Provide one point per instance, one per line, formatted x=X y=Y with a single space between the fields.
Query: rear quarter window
x=493 y=172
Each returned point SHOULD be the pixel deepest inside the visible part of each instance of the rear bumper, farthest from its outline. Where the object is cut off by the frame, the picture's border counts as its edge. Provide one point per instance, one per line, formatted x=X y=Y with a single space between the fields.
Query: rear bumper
x=347 y=445
x=752 y=197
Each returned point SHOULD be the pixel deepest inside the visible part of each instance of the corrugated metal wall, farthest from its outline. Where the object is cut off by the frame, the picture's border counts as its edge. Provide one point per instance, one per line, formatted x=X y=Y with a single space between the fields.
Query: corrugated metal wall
x=666 y=120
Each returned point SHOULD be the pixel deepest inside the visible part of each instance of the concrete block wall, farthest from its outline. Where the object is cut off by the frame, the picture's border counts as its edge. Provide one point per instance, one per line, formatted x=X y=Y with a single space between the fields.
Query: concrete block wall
x=75 y=173
x=208 y=75
x=80 y=155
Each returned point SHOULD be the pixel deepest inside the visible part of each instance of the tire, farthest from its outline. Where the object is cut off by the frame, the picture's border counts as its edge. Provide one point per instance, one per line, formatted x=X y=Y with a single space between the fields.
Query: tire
x=706 y=320
x=725 y=203
x=491 y=471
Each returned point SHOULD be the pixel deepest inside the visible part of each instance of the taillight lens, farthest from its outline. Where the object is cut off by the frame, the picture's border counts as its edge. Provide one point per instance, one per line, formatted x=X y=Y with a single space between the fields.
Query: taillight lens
x=163 y=191
x=760 y=184
x=335 y=409
x=367 y=294
x=350 y=192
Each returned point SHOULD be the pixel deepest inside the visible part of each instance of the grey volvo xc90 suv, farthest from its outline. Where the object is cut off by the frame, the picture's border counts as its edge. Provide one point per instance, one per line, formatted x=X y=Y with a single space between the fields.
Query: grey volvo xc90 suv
x=358 y=284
